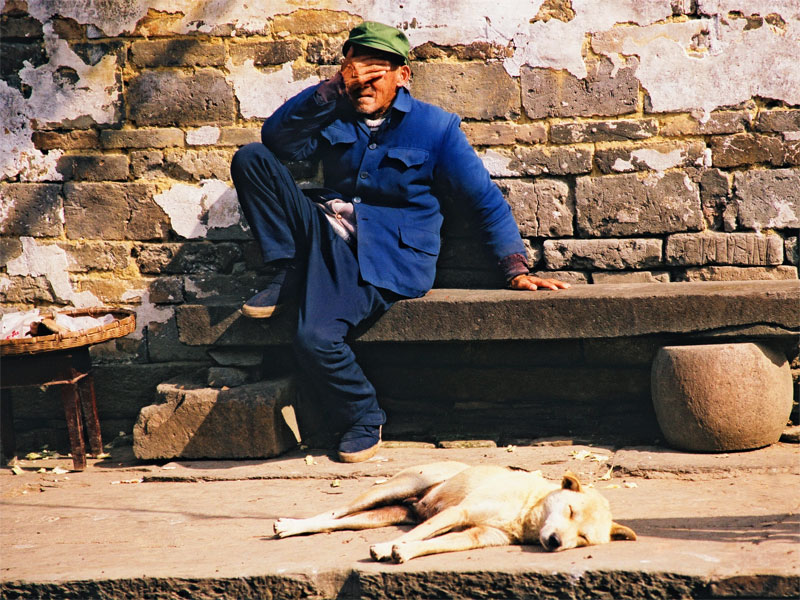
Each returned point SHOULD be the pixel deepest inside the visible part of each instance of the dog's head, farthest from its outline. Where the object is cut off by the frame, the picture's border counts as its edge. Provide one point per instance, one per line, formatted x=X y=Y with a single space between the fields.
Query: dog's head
x=575 y=516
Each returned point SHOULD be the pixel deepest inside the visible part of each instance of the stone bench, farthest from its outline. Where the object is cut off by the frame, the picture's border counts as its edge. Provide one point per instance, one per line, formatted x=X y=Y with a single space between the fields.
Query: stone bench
x=512 y=365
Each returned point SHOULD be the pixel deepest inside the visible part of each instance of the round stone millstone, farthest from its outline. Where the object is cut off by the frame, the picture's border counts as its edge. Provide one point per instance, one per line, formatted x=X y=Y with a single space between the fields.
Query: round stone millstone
x=721 y=397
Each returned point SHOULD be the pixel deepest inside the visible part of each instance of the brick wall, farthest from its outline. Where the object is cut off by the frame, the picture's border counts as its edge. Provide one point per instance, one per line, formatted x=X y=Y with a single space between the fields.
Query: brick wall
x=658 y=142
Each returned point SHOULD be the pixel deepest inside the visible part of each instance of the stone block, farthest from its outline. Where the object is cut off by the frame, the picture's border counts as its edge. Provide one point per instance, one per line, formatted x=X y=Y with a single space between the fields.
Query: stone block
x=113 y=211
x=778 y=121
x=651 y=157
x=224 y=325
x=714 y=197
x=93 y=167
x=727 y=273
x=166 y=290
x=177 y=53
x=31 y=209
x=791 y=249
x=238 y=136
x=217 y=288
x=311 y=22
x=79 y=139
x=226 y=377
x=168 y=97
x=16 y=56
x=471 y=90
x=551 y=93
x=196 y=165
x=164 y=345
x=618 y=277
x=768 y=199
x=603 y=131
x=188 y=257
x=27 y=290
x=542 y=208
x=504 y=133
x=147 y=164
x=267 y=53
x=191 y=421
x=721 y=397
x=141 y=138
x=615 y=254
x=553 y=161
x=747 y=149
x=719 y=122
x=624 y=205
x=711 y=247
x=324 y=51
x=96 y=256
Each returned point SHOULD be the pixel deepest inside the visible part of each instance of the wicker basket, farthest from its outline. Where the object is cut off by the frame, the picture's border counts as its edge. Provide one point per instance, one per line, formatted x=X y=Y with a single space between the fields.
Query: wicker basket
x=124 y=323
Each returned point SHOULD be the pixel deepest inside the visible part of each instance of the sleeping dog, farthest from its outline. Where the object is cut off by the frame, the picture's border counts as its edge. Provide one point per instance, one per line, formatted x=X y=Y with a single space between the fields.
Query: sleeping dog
x=459 y=507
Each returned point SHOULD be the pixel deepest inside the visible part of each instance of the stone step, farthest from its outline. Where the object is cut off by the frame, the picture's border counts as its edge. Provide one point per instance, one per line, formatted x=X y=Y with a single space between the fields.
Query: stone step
x=192 y=421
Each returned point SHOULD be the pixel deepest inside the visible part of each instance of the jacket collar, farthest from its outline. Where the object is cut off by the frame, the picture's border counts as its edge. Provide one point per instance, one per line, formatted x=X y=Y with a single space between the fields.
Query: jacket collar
x=403 y=100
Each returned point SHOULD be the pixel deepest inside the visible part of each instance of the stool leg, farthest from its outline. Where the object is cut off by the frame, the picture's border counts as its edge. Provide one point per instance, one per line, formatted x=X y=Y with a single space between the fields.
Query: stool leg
x=9 y=439
x=72 y=412
x=89 y=407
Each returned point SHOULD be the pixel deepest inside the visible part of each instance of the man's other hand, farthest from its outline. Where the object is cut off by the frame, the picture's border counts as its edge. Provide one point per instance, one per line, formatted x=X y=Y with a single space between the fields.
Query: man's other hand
x=531 y=282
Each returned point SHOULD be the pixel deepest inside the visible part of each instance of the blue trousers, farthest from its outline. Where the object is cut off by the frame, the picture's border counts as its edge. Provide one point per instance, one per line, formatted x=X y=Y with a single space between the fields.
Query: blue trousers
x=333 y=300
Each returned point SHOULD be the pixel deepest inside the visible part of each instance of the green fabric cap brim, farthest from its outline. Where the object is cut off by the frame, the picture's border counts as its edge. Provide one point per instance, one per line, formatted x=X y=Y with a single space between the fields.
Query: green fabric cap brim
x=381 y=37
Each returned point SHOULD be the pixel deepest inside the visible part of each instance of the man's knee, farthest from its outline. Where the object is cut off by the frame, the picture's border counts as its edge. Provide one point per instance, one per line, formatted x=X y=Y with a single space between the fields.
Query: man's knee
x=249 y=158
x=311 y=345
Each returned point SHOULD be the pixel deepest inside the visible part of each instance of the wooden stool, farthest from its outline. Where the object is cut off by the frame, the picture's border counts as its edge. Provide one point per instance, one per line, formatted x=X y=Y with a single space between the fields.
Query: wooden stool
x=70 y=369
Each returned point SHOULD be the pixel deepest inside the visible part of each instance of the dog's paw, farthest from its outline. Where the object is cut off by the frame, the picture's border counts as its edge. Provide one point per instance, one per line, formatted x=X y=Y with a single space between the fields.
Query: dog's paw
x=285 y=527
x=401 y=553
x=381 y=551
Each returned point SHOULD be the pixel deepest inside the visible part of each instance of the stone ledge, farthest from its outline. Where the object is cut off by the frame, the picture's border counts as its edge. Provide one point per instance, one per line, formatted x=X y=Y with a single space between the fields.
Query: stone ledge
x=753 y=309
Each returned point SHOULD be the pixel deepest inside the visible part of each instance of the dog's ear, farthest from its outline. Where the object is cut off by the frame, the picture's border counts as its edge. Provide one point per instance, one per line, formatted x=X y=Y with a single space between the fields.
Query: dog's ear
x=620 y=532
x=570 y=482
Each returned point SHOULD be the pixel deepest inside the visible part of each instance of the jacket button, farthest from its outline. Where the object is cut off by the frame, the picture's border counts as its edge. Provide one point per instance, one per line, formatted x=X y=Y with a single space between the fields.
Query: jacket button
x=356 y=199
x=364 y=175
x=372 y=146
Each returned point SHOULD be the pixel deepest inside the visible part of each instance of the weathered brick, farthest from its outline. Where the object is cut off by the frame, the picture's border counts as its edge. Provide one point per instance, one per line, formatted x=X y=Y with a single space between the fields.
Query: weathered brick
x=554 y=161
x=10 y=248
x=32 y=209
x=96 y=256
x=190 y=257
x=177 y=53
x=266 y=53
x=603 y=131
x=166 y=290
x=93 y=167
x=630 y=205
x=747 y=149
x=714 y=196
x=768 y=199
x=617 y=277
x=717 y=248
x=542 y=208
x=550 y=93
x=740 y=273
x=221 y=288
x=325 y=51
x=194 y=165
x=15 y=56
x=503 y=133
x=778 y=121
x=147 y=164
x=27 y=289
x=650 y=157
x=19 y=27
x=238 y=136
x=471 y=90
x=141 y=138
x=615 y=254
x=306 y=22
x=571 y=277
x=483 y=51
x=790 y=246
x=727 y=121
x=112 y=291
x=175 y=98
x=113 y=211
x=79 y=139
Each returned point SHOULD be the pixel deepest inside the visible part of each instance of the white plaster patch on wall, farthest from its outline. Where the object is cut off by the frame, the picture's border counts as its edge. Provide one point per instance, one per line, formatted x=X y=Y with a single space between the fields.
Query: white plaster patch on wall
x=146 y=311
x=203 y=136
x=18 y=155
x=56 y=99
x=259 y=93
x=50 y=261
x=739 y=64
x=193 y=210
x=658 y=161
x=193 y=288
x=788 y=9
x=498 y=164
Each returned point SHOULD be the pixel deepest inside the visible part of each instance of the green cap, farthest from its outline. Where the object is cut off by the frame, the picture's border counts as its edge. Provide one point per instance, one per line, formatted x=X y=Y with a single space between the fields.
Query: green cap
x=379 y=36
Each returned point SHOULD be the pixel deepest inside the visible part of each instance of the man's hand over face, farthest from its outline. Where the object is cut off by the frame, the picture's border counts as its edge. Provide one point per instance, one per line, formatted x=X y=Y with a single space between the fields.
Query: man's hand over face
x=531 y=282
x=360 y=71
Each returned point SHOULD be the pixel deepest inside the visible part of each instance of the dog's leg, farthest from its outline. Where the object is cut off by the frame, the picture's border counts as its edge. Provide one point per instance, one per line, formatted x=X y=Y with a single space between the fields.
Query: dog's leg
x=475 y=537
x=370 y=519
x=437 y=524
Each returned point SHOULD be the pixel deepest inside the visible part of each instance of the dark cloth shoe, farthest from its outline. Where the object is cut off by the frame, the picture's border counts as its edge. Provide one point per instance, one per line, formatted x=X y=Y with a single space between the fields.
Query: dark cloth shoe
x=360 y=443
x=269 y=302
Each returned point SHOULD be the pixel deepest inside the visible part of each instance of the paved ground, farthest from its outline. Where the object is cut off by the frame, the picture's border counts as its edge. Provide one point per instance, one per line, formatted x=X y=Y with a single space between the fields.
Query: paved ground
x=708 y=525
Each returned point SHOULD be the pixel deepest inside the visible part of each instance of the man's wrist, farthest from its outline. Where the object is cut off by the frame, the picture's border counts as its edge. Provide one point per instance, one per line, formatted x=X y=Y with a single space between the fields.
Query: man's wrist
x=331 y=89
x=513 y=266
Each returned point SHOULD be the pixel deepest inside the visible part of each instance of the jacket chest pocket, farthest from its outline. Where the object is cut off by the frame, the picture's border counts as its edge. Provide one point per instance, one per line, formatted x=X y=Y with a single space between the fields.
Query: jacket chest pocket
x=405 y=168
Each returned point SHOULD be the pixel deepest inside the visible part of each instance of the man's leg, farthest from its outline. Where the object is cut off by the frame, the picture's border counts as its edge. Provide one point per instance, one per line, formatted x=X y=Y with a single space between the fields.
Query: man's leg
x=279 y=215
x=335 y=301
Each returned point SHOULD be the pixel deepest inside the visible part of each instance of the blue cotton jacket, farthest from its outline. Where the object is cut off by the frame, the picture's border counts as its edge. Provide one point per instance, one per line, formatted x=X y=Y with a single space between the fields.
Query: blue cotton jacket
x=394 y=178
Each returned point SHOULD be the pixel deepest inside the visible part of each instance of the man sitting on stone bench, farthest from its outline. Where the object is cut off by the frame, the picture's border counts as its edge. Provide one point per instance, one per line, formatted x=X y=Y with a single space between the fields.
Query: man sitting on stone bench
x=346 y=253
